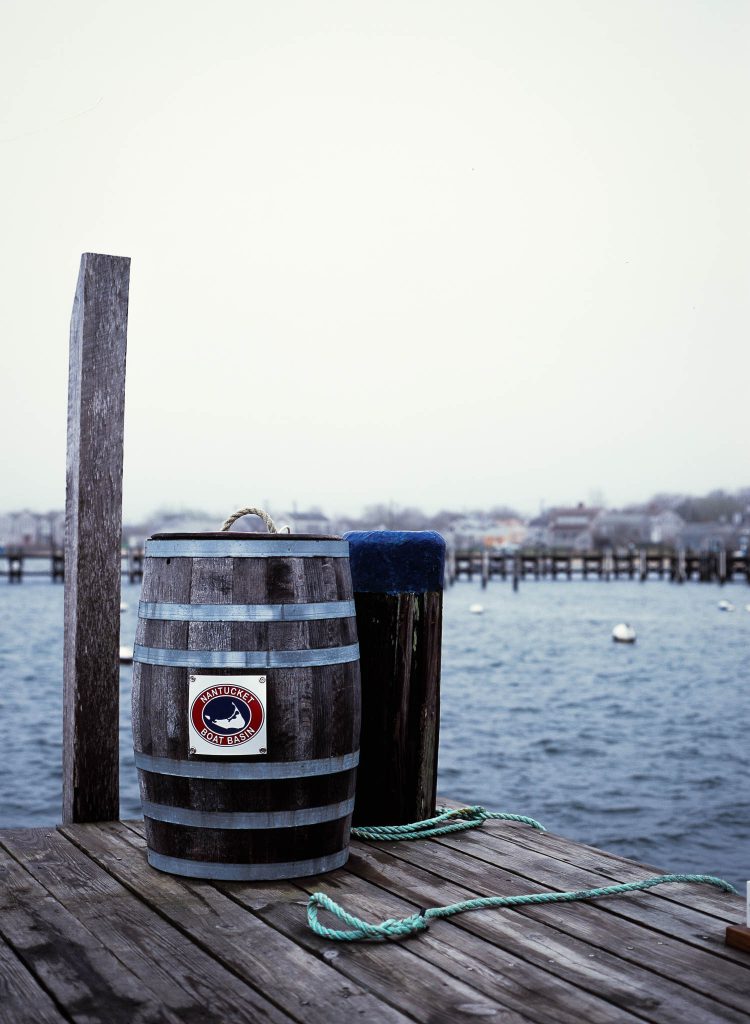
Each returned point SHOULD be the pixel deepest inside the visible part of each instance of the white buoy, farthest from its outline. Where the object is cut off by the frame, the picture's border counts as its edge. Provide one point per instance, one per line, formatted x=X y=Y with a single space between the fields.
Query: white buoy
x=725 y=606
x=747 y=607
x=126 y=655
x=476 y=609
x=623 y=633
x=123 y=606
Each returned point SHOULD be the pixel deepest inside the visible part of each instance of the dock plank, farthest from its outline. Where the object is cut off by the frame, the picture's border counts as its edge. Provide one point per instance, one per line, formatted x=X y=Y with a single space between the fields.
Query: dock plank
x=706 y=899
x=496 y=972
x=22 y=999
x=184 y=978
x=394 y=971
x=219 y=925
x=614 y=866
x=65 y=958
x=680 y=915
x=580 y=961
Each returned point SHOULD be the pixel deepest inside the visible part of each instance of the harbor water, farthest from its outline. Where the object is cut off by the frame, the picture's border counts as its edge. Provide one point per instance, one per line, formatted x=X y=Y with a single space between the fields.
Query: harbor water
x=641 y=749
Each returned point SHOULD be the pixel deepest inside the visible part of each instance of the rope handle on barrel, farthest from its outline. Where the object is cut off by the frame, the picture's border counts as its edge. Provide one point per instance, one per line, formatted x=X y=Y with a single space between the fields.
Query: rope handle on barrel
x=455 y=820
x=270 y=525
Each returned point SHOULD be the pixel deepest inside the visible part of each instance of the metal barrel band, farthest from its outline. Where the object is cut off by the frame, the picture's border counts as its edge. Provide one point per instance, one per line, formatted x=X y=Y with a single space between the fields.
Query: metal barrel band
x=247 y=872
x=247 y=819
x=310 y=612
x=246 y=659
x=246 y=770
x=247 y=549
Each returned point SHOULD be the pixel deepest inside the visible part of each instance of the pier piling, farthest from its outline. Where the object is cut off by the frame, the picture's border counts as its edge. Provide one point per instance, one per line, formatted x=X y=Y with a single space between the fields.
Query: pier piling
x=93 y=535
x=398 y=593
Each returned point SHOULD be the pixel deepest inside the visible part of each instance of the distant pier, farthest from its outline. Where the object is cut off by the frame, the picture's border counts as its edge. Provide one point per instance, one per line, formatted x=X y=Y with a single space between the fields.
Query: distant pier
x=682 y=566
x=679 y=566
x=18 y=563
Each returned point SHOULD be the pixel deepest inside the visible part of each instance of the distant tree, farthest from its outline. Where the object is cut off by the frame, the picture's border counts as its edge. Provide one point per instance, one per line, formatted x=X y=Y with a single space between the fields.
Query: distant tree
x=717 y=506
x=503 y=512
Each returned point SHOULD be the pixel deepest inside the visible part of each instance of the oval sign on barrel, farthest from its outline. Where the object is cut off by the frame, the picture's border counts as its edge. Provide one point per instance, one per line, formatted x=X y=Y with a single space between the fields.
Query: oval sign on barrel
x=246 y=704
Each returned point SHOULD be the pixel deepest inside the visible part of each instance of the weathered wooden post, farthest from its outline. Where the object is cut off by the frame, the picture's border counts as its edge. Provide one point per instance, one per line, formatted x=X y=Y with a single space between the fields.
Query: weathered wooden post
x=398 y=592
x=681 y=566
x=93 y=527
x=721 y=570
x=642 y=565
x=15 y=566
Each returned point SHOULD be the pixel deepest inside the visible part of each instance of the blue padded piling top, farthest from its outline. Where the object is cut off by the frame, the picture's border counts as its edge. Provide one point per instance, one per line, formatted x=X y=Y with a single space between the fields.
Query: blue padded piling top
x=396 y=562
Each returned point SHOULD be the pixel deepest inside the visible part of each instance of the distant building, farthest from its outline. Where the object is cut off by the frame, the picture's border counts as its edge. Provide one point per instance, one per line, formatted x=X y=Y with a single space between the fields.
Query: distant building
x=506 y=534
x=570 y=527
x=666 y=528
x=29 y=529
x=473 y=532
x=467 y=532
x=612 y=529
x=713 y=537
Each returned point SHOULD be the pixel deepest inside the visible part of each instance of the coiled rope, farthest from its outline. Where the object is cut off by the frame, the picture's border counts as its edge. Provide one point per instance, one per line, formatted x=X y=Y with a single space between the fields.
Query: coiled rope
x=454 y=821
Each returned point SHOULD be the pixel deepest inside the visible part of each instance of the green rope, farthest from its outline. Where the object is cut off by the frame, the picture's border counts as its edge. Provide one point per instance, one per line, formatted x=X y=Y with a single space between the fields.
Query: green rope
x=445 y=822
x=399 y=928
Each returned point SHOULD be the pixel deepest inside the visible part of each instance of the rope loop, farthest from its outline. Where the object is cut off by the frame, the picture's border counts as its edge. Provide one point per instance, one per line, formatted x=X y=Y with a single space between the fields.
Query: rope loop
x=270 y=525
x=391 y=928
x=447 y=820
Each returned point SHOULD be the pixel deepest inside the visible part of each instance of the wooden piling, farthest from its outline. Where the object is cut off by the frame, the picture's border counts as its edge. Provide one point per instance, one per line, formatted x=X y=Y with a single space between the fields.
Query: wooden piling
x=93 y=528
x=398 y=592
x=57 y=566
x=722 y=566
x=15 y=566
x=135 y=565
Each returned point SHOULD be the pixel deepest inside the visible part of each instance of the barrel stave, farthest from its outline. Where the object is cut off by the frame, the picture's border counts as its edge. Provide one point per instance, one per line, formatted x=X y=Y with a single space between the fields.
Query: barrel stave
x=241 y=795
x=160 y=710
x=248 y=846
x=167 y=579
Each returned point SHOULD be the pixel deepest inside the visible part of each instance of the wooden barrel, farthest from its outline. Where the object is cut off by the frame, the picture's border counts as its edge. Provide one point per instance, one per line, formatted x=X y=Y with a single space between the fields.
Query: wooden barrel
x=246 y=704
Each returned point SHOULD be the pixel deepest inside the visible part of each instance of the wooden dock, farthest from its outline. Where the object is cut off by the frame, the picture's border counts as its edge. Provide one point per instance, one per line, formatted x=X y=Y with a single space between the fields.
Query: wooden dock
x=89 y=932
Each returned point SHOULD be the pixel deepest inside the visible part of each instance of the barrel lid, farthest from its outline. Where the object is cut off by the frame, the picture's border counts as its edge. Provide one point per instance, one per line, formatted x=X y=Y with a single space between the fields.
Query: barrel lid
x=243 y=535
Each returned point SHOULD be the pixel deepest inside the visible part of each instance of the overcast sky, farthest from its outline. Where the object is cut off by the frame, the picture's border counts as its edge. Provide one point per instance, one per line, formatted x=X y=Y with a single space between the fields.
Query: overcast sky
x=439 y=253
